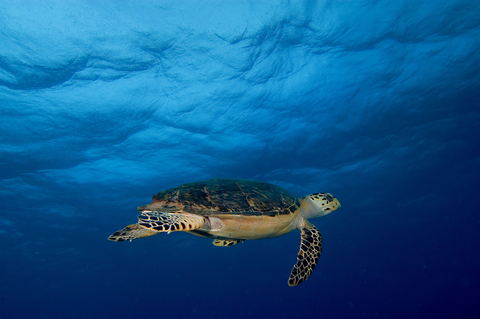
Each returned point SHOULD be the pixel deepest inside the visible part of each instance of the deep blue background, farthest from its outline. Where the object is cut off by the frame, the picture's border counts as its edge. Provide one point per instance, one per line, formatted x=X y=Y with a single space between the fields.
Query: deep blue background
x=104 y=103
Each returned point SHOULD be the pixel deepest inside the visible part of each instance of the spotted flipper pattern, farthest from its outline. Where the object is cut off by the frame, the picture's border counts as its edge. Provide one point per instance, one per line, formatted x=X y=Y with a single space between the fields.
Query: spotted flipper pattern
x=227 y=242
x=132 y=232
x=307 y=258
x=169 y=222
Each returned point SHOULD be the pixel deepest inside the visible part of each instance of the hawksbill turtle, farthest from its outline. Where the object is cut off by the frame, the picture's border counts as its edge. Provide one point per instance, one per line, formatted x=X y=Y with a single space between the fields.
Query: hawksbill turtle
x=232 y=210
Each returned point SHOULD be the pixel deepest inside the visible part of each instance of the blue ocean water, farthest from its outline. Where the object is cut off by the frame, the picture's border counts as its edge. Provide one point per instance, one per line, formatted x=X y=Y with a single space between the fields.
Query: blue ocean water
x=105 y=103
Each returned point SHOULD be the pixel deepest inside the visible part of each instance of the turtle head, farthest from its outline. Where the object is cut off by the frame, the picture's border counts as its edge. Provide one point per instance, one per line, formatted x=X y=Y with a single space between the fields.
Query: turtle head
x=318 y=204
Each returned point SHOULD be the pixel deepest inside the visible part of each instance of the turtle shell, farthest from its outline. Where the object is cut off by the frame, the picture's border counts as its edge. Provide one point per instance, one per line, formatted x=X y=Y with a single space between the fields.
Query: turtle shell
x=229 y=196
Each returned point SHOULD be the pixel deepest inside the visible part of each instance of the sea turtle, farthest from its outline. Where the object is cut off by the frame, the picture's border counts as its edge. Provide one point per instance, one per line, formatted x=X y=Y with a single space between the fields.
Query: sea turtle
x=233 y=210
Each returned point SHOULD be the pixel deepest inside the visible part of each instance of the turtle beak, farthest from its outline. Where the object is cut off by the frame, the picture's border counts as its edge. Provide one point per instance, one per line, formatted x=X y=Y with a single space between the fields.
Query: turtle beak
x=335 y=204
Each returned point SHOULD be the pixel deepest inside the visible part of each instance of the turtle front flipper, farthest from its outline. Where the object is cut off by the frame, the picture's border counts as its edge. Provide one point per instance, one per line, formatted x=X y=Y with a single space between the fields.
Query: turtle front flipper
x=227 y=242
x=132 y=232
x=168 y=222
x=307 y=258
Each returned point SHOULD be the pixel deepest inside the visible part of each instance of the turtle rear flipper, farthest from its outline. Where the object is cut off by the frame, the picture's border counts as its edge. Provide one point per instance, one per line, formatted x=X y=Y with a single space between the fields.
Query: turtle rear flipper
x=307 y=258
x=226 y=242
x=168 y=222
x=132 y=232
